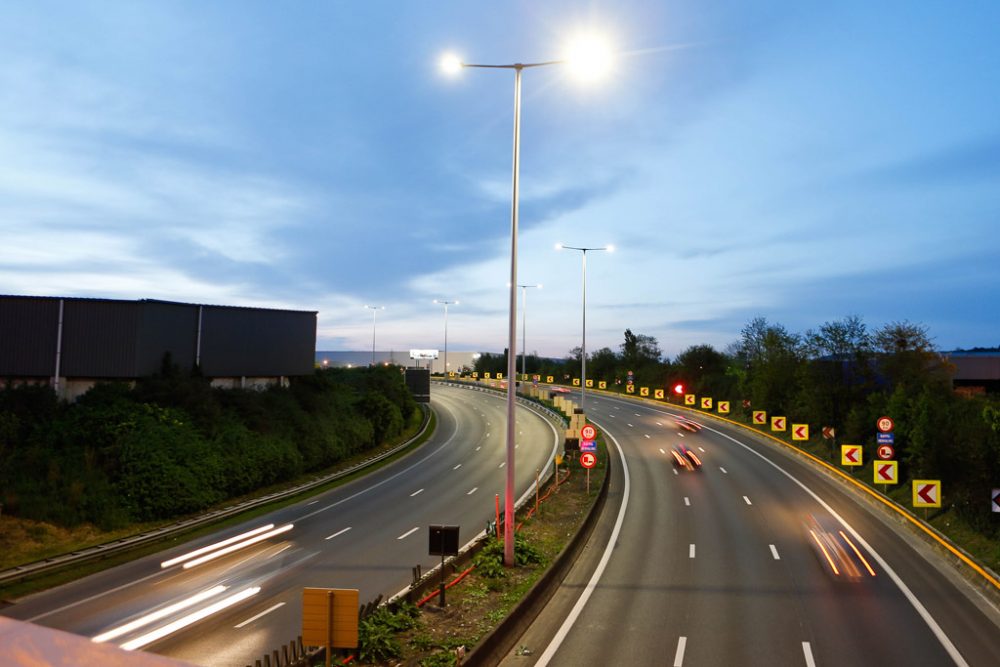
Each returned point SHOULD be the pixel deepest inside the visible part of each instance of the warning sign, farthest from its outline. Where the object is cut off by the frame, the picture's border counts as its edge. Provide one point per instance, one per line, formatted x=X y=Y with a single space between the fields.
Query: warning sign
x=759 y=417
x=886 y=472
x=778 y=423
x=644 y=391
x=658 y=394
x=927 y=493
x=688 y=399
x=723 y=407
x=706 y=403
x=850 y=455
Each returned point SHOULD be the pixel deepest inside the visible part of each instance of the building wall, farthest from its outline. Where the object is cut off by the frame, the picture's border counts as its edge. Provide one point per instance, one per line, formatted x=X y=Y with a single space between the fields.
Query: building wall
x=28 y=336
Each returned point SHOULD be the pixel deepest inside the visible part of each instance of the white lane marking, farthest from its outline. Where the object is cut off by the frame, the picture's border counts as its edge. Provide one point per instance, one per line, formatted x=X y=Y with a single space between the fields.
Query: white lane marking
x=417 y=492
x=687 y=501
x=408 y=533
x=675 y=471
x=502 y=464
x=630 y=426
x=679 y=656
x=617 y=408
x=774 y=552
x=690 y=551
x=661 y=450
x=312 y=503
x=747 y=500
x=588 y=590
x=637 y=414
x=680 y=434
x=94 y=597
x=659 y=424
x=646 y=434
x=701 y=449
x=457 y=467
x=474 y=489
x=339 y=532
x=808 y=653
x=917 y=605
x=487 y=435
x=723 y=470
x=478 y=448
x=263 y=613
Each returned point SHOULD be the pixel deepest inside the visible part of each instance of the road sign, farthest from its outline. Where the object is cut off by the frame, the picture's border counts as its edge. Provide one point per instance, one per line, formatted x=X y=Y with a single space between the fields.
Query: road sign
x=688 y=399
x=499 y=376
x=330 y=617
x=603 y=384
x=723 y=407
x=706 y=403
x=590 y=383
x=759 y=417
x=746 y=403
x=588 y=432
x=829 y=433
x=995 y=505
x=885 y=438
x=885 y=452
x=777 y=423
x=885 y=424
x=630 y=389
x=850 y=455
x=549 y=379
x=886 y=472
x=800 y=431
x=658 y=394
x=927 y=493
x=588 y=459
x=576 y=382
x=475 y=375
x=588 y=446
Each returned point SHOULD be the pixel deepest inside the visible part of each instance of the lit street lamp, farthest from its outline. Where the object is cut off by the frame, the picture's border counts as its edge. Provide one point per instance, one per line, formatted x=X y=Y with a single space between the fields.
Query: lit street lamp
x=374 y=310
x=583 y=353
x=446 y=304
x=524 y=320
x=588 y=57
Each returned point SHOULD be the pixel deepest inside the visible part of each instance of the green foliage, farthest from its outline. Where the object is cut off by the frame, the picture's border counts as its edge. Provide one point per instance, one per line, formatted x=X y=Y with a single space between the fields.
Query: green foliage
x=440 y=659
x=173 y=445
x=377 y=632
x=489 y=560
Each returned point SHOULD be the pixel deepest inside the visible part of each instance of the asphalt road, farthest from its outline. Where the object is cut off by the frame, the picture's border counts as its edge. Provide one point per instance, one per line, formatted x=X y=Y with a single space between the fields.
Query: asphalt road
x=715 y=566
x=367 y=534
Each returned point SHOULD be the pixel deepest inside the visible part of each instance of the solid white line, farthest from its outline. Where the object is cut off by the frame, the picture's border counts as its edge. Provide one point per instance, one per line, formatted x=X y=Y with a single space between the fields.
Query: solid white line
x=416 y=492
x=687 y=501
x=263 y=613
x=748 y=500
x=723 y=470
x=679 y=656
x=807 y=651
x=457 y=467
x=408 y=533
x=774 y=552
x=339 y=532
x=474 y=489
x=588 y=590
x=949 y=647
x=690 y=551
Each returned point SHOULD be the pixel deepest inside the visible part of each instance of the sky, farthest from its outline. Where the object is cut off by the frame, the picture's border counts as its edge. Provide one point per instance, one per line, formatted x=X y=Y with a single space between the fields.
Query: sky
x=798 y=161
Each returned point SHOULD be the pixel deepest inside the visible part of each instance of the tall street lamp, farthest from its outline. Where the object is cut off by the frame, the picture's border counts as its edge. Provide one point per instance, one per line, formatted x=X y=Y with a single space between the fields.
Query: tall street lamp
x=583 y=354
x=374 y=310
x=524 y=325
x=445 y=304
x=588 y=57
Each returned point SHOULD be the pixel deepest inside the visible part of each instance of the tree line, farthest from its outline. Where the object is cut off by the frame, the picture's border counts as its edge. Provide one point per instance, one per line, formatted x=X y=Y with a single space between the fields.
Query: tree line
x=173 y=444
x=841 y=374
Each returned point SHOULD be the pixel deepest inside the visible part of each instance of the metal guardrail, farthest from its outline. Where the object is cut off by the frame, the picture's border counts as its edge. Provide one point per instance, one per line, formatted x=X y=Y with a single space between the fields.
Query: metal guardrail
x=99 y=551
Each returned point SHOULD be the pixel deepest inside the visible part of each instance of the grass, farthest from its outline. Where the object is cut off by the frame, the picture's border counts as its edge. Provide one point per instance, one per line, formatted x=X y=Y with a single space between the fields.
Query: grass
x=25 y=541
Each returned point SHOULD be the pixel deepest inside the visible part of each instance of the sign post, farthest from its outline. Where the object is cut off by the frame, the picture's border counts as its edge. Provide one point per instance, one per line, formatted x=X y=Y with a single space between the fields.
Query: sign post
x=443 y=541
x=330 y=618
x=588 y=460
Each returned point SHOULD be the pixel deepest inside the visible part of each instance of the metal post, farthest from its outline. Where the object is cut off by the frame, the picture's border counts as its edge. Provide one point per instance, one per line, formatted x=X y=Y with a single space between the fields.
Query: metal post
x=583 y=355
x=441 y=597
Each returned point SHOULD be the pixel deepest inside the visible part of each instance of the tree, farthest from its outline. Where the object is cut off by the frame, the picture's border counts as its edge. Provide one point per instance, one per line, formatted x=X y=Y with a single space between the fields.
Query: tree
x=908 y=357
x=702 y=369
x=639 y=350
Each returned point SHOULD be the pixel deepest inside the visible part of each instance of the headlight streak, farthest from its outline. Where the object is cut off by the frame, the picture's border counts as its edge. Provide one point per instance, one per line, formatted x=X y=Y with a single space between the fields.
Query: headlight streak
x=825 y=553
x=157 y=615
x=217 y=545
x=858 y=552
x=185 y=621
x=236 y=547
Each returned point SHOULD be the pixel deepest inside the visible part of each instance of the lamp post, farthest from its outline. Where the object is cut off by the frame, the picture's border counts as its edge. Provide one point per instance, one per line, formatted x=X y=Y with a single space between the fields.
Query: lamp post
x=445 y=304
x=583 y=353
x=587 y=56
x=374 y=310
x=524 y=325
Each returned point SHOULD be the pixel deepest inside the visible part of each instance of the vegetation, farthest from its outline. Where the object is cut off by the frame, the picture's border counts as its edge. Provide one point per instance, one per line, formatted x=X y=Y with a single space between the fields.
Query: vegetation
x=173 y=445
x=841 y=374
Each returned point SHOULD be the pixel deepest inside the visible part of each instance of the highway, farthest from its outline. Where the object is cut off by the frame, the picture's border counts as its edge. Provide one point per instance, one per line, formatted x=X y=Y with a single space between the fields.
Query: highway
x=715 y=566
x=367 y=534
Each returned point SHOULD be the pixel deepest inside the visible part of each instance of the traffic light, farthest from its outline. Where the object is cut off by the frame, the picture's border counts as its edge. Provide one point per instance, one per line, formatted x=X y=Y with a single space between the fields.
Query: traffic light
x=679 y=388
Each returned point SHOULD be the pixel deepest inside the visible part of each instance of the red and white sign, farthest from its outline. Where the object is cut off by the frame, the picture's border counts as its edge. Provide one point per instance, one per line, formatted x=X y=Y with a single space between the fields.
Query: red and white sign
x=759 y=417
x=850 y=455
x=829 y=433
x=588 y=432
x=885 y=452
x=885 y=424
x=927 y=493
x=995 y=505
x=886 y=472
x=800 y=431
x=588 y=459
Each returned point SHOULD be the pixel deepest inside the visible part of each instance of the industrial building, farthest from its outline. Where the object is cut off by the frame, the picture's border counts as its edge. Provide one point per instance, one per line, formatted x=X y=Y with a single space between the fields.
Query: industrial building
x=73 y=343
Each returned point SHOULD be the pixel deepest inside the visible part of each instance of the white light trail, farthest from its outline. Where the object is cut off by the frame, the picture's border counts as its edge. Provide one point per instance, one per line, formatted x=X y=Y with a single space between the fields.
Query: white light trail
x=217 y=545
x=236 y=547
x=185 y=621
x=157 y=615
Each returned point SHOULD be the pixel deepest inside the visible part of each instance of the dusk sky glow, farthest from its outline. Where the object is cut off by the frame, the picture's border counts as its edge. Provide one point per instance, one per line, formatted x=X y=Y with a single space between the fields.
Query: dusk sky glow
x=798 y=161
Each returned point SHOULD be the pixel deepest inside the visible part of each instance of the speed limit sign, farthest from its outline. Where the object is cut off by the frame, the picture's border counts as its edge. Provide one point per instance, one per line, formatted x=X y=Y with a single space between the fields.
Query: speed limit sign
x=588 y=432
x=885 y=424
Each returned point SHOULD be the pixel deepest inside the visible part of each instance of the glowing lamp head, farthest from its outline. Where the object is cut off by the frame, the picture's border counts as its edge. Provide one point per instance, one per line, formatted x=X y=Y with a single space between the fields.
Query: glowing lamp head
x=450 y=64
x=589 y=57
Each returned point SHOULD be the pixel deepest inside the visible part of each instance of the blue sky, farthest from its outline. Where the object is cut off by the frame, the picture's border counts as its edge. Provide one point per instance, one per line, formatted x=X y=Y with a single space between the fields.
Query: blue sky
x=799 y=161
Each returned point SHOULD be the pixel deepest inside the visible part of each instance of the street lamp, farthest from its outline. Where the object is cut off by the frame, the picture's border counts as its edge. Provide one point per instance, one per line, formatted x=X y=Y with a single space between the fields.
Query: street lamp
x=524 y=320
x=585 y=55
x=583 y=354
x=374 y=310
x=445 y=304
